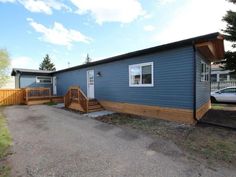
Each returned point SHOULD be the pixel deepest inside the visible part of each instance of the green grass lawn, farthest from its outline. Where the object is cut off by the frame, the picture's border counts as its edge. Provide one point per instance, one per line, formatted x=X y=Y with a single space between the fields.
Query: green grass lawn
x=217 y=106
x=5 y=143
x=51 y=103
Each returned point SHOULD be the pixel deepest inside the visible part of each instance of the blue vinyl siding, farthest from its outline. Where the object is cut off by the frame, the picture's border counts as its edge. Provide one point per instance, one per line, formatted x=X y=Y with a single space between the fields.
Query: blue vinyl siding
x=30 y=81
x=203 y=89
x=173 y=80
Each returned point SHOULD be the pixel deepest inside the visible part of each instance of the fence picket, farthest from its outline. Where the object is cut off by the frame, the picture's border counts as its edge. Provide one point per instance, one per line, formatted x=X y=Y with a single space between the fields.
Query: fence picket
x=221 y=85
x=11 y=96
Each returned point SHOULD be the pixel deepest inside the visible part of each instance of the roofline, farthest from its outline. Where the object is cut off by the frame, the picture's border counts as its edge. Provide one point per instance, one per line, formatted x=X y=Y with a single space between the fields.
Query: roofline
x=19 y=70
x=168 y=46
x=159 y=48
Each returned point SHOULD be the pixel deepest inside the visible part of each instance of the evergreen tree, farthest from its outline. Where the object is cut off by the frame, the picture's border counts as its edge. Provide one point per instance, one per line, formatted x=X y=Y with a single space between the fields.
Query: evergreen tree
x=47 y=64
x=4 y=66
x=230 y=35
x=87 y=59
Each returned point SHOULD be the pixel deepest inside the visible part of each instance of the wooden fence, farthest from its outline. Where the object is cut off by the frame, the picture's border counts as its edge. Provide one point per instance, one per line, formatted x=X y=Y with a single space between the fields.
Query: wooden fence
x=221 y=85
x=11 y=96
x=27 y=96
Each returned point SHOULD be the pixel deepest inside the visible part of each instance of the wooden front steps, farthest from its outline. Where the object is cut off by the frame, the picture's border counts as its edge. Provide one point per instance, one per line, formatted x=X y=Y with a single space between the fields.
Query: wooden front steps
x=77 y=100
x=76 y=106
x=93 y=106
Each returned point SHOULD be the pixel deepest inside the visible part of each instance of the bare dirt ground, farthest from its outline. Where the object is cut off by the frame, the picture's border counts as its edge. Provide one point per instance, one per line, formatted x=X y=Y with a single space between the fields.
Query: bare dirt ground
x=53 y=142
x=222 y=115
x=210 y=145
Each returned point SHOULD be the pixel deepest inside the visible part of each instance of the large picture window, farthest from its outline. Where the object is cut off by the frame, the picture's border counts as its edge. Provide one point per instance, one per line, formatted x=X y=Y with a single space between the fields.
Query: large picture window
x=205 y=71
x=141 y=75
x=43 y=80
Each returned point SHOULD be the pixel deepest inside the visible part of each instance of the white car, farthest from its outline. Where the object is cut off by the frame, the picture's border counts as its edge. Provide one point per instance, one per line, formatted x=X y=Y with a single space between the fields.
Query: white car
x=227 y=94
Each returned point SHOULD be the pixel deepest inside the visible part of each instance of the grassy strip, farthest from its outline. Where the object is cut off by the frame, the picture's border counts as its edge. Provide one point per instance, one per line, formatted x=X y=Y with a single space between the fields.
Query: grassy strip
x=5 y=143
x=51 y=103
x=217 y=106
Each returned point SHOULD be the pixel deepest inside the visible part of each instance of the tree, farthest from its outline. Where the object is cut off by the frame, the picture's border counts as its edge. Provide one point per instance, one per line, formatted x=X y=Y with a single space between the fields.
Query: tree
x=230 y=35
x=87 y=59
x=4 y=66
x=47 y=64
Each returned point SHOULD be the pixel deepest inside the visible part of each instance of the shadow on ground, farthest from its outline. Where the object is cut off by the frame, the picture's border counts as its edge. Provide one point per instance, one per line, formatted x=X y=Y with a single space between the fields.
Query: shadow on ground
x=221 y=115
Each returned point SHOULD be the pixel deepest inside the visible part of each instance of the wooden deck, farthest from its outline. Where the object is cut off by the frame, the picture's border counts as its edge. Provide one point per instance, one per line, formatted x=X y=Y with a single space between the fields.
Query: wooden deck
x=40 y=96
x=29 y=96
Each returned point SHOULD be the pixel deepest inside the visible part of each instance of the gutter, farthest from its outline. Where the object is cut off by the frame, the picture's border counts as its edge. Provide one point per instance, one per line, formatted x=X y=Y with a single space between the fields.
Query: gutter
x=194 y=82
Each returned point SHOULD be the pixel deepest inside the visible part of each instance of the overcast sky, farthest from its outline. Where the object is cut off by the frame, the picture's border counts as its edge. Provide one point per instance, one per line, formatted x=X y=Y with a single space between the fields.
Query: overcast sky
x=68 y=30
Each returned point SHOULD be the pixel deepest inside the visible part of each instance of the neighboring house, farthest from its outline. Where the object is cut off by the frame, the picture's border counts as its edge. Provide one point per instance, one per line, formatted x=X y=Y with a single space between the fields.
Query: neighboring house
x=32 y=78
x=170 y=81
x=221 y=78
x=218 y=74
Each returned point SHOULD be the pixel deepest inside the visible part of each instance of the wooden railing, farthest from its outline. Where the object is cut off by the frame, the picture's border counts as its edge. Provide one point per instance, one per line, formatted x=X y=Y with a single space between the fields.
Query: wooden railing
x=76 y=95
x=37 y=93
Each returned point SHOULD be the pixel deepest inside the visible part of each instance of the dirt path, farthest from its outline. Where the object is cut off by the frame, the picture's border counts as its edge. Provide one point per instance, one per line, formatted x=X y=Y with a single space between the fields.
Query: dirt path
x=54 y=142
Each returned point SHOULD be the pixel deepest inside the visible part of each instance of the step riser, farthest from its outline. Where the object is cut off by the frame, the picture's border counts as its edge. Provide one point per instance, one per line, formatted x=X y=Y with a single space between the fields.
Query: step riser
x=93 y=106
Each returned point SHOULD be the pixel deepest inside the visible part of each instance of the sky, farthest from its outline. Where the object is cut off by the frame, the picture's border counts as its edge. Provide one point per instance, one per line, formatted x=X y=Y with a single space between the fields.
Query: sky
x=68 y=30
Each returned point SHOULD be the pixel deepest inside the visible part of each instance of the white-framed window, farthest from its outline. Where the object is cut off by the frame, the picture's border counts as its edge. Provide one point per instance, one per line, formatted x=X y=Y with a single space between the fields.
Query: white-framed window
x=43 y=79
x=141 y=75
x=205 y=71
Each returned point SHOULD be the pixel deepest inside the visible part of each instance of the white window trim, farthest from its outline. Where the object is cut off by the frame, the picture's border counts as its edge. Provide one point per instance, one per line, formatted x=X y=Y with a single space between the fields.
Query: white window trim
x=205 y=73
x=140 y=65
x=37 y=80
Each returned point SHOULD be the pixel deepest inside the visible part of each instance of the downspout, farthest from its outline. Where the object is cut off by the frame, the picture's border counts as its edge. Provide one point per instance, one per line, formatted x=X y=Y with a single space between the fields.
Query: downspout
x=19 y=79
x=194 y=82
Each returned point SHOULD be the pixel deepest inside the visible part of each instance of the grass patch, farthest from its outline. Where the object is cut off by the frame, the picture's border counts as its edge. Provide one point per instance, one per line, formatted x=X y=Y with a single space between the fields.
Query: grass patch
x=217 y=106
x=212 y=144
x=51 y=103
x=4 y=171
x=5 y=143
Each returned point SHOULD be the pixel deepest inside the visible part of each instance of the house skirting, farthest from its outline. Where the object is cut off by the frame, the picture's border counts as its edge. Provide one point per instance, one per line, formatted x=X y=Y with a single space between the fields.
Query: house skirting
x=171 y=114
x=203 y=109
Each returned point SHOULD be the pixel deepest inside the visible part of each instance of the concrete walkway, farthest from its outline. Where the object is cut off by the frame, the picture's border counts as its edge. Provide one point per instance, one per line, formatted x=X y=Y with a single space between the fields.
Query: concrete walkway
x=53 y=142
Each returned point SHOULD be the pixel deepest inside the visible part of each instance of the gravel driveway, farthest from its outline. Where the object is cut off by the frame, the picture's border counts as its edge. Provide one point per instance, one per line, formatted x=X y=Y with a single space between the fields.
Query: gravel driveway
x=54 y=142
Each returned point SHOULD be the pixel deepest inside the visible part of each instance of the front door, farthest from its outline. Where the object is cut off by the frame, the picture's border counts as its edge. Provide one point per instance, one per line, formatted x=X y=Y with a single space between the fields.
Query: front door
x=54 y=82
x=90 y=84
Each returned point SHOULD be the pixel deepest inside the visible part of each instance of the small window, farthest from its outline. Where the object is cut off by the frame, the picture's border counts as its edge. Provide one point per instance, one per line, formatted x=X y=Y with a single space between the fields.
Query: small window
x=229 y=90
x=43 y=80
x=141 y=75
x=213 y=77
x=223 y=77
x=205 y=71
x=233 y=77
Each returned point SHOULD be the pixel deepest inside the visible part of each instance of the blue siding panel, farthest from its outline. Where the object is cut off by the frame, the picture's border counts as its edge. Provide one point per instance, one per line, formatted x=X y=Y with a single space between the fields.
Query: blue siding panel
x=173 y=80
x=203 y=89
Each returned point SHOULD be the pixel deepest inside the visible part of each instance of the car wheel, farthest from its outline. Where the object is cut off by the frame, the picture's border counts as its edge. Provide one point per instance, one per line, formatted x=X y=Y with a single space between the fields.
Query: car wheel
x=213 y=100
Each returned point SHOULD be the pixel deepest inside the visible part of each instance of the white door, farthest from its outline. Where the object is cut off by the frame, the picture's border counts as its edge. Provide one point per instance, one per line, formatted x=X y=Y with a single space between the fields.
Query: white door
x=90 y=84
x=54 y=81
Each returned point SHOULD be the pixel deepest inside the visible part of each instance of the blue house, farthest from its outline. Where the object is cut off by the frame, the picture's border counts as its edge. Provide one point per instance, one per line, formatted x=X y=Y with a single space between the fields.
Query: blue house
x=170 y=81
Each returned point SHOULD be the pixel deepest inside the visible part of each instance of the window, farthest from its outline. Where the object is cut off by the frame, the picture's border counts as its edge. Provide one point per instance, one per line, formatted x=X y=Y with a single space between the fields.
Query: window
x=141 y=75
x=205 y=71
x=43 y=80
x=233 y=77
x=223 y=77
x=213 y=77
x=229 y=90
